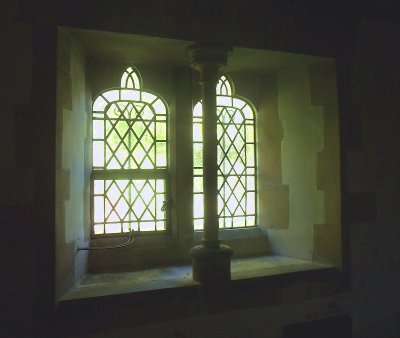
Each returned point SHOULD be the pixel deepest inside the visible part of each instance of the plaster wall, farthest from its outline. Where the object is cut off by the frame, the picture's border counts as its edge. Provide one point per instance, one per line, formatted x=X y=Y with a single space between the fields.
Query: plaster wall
x=302 y=138
x=72 y=174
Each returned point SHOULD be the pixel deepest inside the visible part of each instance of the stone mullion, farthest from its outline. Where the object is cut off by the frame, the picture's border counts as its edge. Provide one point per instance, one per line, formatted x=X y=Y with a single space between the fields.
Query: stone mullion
x=211 y=260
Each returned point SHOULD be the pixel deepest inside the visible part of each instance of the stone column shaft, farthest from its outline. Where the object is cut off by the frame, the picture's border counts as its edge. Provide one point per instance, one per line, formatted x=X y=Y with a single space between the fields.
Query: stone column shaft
x=211 y=260
x=208 y=83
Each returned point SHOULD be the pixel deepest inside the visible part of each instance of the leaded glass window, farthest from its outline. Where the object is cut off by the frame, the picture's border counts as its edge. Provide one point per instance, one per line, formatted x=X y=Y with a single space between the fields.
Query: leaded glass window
x=129 y=176
x=236 y=160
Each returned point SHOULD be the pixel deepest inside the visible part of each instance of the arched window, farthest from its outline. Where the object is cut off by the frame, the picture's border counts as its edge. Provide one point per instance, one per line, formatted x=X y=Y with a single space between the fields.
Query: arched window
x=129 y=158
x=236 y=160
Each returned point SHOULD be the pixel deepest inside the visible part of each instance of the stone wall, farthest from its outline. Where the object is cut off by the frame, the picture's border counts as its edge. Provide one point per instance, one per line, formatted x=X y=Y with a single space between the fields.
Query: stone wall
x=369 y=156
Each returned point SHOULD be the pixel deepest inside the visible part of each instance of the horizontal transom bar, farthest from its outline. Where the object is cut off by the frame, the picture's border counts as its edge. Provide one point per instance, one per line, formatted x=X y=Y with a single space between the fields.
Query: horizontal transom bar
x=129 y=174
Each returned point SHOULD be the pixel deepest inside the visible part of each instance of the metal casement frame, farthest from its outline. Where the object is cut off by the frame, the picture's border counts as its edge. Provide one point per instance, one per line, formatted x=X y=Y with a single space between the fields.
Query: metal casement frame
x=131 y=174
x=255 y=153
x=254 y=127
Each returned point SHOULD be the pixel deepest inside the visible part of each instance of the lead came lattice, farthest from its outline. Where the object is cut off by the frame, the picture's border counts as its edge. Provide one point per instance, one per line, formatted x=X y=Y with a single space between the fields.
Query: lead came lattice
x=129 y=158
x=236 y=160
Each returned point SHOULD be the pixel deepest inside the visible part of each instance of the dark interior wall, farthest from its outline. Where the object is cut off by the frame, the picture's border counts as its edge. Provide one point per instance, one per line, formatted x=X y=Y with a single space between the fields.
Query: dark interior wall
x=367 y=42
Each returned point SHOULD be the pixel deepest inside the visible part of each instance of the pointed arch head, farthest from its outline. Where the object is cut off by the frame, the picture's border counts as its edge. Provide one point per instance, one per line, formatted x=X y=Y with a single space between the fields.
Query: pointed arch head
x=131 y=79
x=225 y=86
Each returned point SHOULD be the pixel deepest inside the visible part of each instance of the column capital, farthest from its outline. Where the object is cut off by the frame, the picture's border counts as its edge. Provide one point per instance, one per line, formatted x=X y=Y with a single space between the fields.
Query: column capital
x=208 y=56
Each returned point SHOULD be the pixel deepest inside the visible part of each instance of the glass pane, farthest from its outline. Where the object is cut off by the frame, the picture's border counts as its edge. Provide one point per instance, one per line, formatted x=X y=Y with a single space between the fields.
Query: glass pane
x=126 y=227
x=161 y=155
x=237 y=103
x=232 y=155
x=248 y=113
x=113 y=112
x=113 y=228
x=232 y=204
x=121 y=132
x=122 y=208
x=159 y=202
x=250 y=220
x=220 y=205
x=160 y=225
x=250 y=183
x=198 y=224
x=99 y=104
x=98 y=209
x=161 y=117
x=111 y=95
x=197 y=132
x=148 y=97
x=130 y=94
x=135 y=226
x=198 y=172
x=147 y=193
x=220 y=182
x=112 y=216
x=138 y=129
x=160 y=186
x=159 y=107
x=198 y=206
x=239 y=222
x=249 y=133
x=198 y=184
x=238 y=117
x=147 y=226
x=98 y=187
x=198 y=154
x=139 y=154
x=147 y=139
x=161 y=131
x=147 y=113
x=224 y=101
x=198 y=110
x=220 y=132
x=250 y=154
x=129 y=200
x=251 y=203
x=98 y=129
x=220 y=155
x=98 y=229
x=98 y=153
x=231 y=132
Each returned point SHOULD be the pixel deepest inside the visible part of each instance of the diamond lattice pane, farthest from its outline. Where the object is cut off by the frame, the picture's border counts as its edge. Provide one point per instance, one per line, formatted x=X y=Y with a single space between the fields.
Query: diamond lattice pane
x=127 y=137
x=235 y=159
x=122 y=204
x=129 y=132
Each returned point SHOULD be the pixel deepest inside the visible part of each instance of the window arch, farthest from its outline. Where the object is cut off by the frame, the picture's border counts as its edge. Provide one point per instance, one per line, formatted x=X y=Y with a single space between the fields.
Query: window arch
x=236 y=159
x=129 y=158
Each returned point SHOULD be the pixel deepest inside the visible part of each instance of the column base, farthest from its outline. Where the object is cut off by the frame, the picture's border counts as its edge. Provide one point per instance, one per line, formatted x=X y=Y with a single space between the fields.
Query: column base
x=211 y=263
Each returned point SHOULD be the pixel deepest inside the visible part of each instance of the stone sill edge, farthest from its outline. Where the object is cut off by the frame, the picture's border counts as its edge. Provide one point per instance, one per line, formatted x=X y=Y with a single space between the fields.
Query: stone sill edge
x=275 y=278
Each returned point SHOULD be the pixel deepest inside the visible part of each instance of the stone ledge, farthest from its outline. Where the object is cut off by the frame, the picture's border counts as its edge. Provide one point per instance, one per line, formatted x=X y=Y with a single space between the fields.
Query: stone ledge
x=169 y=293
x=108 y=284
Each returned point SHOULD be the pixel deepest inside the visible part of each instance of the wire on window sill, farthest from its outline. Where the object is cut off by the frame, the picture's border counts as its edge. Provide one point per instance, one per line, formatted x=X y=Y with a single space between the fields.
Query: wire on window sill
x=108 y=247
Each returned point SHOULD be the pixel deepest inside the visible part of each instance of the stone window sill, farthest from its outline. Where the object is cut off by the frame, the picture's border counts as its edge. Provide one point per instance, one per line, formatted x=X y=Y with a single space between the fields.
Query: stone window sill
x=107 y=284
x=101 y=301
